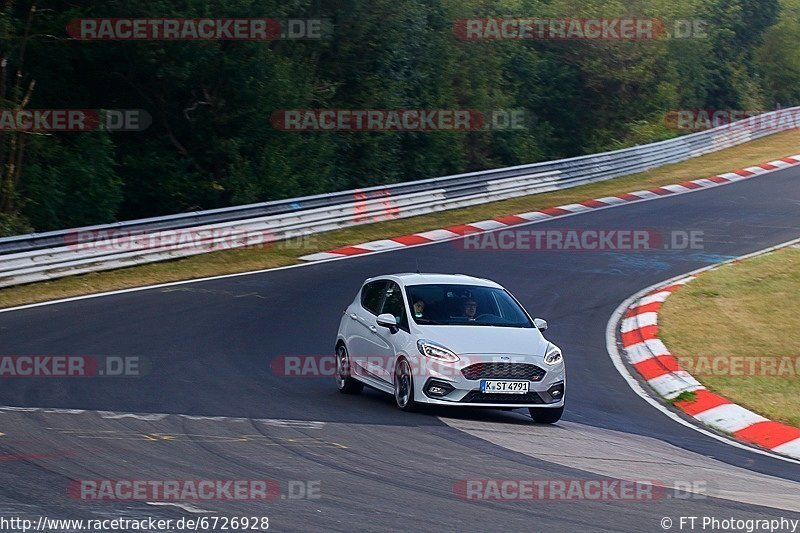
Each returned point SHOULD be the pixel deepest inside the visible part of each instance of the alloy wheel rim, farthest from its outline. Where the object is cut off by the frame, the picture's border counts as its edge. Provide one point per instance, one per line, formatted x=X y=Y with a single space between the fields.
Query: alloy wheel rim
x=402 y=384
x=341 y=367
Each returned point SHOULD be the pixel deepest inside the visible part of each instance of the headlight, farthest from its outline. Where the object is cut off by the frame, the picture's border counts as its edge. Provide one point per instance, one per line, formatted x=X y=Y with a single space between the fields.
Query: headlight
x=553 y=356
x=436 y=351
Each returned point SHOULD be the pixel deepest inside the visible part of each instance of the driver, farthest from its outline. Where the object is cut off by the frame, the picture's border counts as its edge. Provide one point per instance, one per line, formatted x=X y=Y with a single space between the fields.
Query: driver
x=470 y=309
x=419 y=307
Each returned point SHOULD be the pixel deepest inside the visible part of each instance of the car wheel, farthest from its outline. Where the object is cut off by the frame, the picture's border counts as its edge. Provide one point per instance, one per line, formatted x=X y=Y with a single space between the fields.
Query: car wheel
x=544 y=415
x=404 y=386
x=344 y=381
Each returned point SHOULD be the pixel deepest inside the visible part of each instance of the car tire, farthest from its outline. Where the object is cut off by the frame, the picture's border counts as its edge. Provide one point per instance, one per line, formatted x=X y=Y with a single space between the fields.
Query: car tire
x=344 y=381
x=546 y=415
x=404 y=386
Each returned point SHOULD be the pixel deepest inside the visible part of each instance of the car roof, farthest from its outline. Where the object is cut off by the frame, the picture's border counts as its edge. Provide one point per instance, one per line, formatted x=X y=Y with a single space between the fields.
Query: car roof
x=416 y=278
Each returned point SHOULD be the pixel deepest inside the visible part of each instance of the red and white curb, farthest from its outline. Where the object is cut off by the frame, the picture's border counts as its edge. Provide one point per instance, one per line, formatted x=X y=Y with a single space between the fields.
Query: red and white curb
x=660 y=369
x=458 y=231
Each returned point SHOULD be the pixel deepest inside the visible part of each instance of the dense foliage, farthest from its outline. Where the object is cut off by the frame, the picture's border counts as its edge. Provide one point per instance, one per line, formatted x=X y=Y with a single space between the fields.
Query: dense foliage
x=211 y=142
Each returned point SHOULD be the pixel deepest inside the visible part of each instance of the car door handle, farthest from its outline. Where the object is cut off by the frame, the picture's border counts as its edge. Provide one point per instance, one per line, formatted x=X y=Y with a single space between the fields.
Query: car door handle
x=353 y=316
x=373 y=329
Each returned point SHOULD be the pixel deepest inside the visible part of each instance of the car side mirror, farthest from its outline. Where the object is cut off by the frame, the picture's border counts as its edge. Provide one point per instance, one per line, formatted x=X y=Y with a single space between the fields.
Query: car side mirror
x=387 y=320
x=540 y=324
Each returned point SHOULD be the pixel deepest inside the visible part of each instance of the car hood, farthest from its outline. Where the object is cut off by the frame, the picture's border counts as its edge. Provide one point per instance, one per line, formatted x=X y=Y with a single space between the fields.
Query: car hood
x=487 y=339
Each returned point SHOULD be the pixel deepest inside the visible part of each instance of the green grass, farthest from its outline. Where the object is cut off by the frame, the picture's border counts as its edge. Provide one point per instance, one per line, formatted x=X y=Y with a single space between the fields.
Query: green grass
x=747 y=308
x=228 y=262
x=686 y=396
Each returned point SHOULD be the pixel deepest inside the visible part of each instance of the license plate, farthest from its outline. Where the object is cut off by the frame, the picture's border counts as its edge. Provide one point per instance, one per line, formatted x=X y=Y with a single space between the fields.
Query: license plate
x=504 y=387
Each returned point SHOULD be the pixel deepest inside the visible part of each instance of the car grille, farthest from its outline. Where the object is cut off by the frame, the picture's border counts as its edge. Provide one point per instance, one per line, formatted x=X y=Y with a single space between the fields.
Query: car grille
x=477 y=396
x=503 y=371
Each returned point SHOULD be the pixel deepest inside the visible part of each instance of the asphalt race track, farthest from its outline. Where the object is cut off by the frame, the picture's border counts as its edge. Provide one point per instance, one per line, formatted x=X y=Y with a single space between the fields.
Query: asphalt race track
x=209 y=346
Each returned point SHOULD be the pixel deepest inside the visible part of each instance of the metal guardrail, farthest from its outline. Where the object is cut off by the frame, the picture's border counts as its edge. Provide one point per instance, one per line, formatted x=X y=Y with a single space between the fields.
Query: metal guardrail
x=42 y=256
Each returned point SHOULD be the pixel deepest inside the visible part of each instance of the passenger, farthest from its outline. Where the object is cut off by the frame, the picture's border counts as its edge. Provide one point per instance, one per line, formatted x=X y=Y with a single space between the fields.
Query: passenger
x=419 y=307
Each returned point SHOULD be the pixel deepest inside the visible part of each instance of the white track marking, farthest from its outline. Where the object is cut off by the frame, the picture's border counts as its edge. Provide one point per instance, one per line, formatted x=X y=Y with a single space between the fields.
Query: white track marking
x=185 y=506
x=437 y=234
x=789 y=448
x=320 y=256
x=534 y=216
x=676 y=188
x=729 y=417
x=733 y=176
x=639 y=321
x=611 y=346
x=616 y=357
x=488 y=224
x=612 y=200
x=633 y=457
x=645 y=195
x=641 y=351
x=658 y=297
x=706 y=182
x=383 y=244
x=575 y=208
x=672 y=384
x=152 y=417
x=441 y=235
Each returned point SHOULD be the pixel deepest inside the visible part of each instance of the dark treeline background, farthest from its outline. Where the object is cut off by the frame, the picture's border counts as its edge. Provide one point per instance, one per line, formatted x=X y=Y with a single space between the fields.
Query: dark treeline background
x=211 y=143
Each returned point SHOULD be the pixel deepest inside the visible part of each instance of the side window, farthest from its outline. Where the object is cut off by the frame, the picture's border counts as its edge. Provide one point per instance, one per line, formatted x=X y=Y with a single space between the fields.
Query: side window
x=394 y=305
x=371 y=295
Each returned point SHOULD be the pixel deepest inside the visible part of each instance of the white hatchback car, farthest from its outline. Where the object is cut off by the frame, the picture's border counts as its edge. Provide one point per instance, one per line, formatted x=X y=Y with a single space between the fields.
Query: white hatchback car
x=448 y=340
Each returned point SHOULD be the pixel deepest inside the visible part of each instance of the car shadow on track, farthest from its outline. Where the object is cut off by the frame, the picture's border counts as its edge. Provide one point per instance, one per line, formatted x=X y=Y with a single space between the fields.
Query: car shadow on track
x=383 y=410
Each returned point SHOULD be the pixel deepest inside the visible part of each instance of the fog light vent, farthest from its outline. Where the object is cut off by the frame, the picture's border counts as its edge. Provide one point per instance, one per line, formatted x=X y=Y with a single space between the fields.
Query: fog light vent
x=437 y=389
x=556 y=392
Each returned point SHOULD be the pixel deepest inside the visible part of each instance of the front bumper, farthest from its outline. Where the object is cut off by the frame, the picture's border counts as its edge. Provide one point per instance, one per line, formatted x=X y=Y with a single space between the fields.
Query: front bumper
x=545 y=389
x=429 y=401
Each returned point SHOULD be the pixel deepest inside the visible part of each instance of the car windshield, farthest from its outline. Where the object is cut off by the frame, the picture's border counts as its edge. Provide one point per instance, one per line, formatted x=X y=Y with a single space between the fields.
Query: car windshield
x=464 y=305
